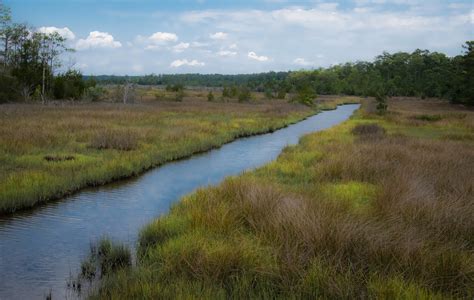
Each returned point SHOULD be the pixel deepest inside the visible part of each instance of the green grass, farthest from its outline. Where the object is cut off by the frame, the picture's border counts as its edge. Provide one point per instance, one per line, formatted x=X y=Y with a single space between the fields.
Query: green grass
x=339 y=216
x=106 y=142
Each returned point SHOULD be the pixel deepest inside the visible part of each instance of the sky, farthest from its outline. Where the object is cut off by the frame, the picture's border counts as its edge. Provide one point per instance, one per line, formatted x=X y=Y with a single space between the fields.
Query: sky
x=229 y=37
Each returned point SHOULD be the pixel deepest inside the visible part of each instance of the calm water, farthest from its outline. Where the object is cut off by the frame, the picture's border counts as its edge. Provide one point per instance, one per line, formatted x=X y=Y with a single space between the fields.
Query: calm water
x=40 y=249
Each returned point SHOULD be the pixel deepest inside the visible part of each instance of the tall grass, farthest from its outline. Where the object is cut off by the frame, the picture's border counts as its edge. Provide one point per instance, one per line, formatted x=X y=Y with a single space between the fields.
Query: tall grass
x=112 y=141
x=339 y=216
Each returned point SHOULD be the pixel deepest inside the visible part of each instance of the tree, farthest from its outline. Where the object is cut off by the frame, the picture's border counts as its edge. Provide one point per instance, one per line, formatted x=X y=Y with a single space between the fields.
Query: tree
x=467 y=67
x=5 y=23
x=69 y=85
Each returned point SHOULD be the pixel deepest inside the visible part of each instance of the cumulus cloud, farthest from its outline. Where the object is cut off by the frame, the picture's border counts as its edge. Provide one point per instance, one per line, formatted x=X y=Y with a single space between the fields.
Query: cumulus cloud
x=253 y=55
x=226 y=53
x=64 y=32
x=184 y=62
x=162 y=37
x=97 y=39
x=218 y=36
x=181 y=47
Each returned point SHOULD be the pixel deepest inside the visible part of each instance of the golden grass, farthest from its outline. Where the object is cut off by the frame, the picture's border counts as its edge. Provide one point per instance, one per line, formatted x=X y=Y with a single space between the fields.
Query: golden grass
x=338 y=216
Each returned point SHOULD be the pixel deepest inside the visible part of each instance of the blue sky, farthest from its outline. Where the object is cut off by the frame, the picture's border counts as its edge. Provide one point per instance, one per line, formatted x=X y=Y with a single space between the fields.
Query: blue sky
x=204 y=36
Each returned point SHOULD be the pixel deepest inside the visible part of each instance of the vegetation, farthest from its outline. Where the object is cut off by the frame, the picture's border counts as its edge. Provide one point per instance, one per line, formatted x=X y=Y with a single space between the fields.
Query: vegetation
x=29 y=61
x=105 y=142
x=378 y=207
x=421 y=73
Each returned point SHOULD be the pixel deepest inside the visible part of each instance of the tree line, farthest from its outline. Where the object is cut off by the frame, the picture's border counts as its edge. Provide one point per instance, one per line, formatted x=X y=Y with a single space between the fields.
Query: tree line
x=418 y=74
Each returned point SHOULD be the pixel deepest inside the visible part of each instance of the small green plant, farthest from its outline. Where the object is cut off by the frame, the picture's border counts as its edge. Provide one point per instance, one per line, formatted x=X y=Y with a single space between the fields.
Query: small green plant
x=368 y=130
x=381 y=100
x=268 y=93
x=210 y=96
x=95 y=93
x=428 y=118
x=179 y=96
x=244 y=94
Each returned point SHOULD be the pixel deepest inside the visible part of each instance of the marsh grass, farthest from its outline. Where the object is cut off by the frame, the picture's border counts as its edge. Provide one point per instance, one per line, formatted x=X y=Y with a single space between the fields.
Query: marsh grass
x=113 y=141
x=335 y=217
x=124 y=140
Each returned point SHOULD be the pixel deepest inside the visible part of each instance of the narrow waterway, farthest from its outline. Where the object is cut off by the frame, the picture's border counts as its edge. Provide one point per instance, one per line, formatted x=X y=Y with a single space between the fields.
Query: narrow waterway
x=41 y=248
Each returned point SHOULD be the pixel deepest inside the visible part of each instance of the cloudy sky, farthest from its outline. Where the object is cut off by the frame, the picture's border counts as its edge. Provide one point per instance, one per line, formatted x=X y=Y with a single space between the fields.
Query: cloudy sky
x=209 y=36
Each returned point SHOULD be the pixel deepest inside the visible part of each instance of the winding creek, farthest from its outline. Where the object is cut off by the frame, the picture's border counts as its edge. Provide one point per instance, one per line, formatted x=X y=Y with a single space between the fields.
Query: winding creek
x=41 y=248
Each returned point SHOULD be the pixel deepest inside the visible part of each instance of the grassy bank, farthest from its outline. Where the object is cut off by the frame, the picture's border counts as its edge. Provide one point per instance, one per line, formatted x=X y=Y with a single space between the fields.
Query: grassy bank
x=378 y=207
x=47 y=152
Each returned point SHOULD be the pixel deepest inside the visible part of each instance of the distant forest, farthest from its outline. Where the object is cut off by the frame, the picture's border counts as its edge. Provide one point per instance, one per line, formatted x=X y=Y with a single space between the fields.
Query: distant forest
x=421 y=74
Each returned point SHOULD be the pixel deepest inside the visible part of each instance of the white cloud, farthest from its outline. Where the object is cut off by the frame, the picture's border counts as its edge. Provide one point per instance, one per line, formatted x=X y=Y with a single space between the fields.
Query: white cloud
x=302 y=62
x=97 y=39
x=253 y=55
x=226 y=53
x=181 y=47
x=233 y=46
x=184 y=62
x=218 y=36
x=162 y=37
x=64 y=32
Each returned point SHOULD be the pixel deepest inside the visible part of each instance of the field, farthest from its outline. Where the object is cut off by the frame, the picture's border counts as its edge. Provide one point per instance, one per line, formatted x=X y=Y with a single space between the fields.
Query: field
x=379 y=207
x=47 y=152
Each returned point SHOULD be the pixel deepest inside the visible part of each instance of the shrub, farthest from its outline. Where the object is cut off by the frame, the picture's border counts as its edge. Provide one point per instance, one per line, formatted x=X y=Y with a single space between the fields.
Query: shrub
x=210 y=96
x=428 y=118
x=179 y=96
x=244 y=94
x=368 y=129
x=382 y=106
x=95 y=93
x=55 y=158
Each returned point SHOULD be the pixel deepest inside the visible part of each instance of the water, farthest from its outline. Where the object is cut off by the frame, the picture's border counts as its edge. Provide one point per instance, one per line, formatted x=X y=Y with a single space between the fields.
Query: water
x=41 y=248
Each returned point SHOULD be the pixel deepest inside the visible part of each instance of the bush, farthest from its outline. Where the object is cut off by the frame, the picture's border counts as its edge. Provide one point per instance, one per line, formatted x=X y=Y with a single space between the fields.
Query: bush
x=69 y=85
x=382 y=106
x=8 y=88
x=428 y=118
x=95 y=93
x=210 y=96
x=179 y=96
x=368 y=129
x=244 y=94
